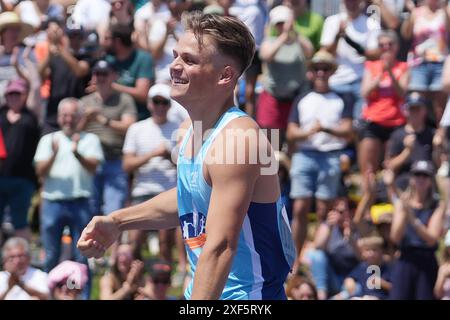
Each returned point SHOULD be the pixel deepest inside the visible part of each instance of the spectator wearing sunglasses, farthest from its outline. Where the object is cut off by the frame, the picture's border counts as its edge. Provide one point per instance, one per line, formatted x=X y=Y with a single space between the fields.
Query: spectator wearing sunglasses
x=383 y=86
x=319 y=125
x=147 y=149
x=19 y=280
x=417 y=227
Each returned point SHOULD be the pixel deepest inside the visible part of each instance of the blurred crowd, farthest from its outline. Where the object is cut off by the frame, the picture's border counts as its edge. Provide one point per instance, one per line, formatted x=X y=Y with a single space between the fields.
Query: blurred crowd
x=353 y=93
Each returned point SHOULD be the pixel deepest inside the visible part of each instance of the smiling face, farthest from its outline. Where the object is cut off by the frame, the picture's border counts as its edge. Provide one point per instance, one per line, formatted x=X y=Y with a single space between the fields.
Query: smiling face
x=17 y=260
x=195 y=71
x=68 y=117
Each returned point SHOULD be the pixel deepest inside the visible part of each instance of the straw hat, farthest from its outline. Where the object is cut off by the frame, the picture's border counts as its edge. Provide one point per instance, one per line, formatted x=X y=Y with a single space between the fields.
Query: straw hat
x=323 y=57
x=9 y=19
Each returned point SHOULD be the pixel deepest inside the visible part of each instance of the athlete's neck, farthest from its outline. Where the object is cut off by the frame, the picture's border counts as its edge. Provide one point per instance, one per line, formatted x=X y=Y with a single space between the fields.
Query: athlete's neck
x=207 y=115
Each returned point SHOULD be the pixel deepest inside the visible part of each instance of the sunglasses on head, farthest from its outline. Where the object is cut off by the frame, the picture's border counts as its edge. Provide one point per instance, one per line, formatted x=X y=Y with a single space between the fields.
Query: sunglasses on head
x=161 y=101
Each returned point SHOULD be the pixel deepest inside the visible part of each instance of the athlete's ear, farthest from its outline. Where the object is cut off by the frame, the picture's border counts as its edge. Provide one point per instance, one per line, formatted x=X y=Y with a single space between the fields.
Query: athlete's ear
x=227 y=75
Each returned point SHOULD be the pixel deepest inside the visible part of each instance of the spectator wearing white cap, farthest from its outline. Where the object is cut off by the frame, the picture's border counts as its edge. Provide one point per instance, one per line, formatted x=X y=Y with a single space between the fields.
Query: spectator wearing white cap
x=283 y=57
x=146 y=153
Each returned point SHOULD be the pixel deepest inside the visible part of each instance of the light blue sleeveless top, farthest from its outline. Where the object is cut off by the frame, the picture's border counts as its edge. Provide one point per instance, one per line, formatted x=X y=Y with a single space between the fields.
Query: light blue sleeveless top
x=265 y=250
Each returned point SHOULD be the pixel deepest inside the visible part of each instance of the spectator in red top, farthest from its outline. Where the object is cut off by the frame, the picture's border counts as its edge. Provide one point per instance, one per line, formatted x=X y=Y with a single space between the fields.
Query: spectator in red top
x=384 y=84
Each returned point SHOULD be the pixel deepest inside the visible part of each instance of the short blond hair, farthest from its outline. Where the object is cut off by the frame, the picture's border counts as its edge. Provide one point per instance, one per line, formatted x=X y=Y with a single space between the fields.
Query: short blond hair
x=231 y=36
x=371 y=242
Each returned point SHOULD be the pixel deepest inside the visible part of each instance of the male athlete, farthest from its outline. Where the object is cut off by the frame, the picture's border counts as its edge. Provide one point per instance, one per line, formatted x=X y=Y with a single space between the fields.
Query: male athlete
x=235 y=228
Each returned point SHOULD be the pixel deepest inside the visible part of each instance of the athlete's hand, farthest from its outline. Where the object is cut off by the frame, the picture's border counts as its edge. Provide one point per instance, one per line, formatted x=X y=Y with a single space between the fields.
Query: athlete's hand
x=98 y=236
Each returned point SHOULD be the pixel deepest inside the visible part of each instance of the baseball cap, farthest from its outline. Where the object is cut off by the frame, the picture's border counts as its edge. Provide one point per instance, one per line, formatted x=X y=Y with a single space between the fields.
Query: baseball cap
x=423 y=166
x=159 y=90
x=280 y=14
x=16 y=85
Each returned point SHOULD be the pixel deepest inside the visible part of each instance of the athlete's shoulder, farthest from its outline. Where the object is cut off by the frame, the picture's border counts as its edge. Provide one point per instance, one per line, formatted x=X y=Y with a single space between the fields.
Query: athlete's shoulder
x=243 y=122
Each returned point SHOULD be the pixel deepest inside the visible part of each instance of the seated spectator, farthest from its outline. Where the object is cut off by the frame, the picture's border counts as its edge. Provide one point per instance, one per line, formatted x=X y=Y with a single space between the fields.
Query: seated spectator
x=300 y=288
x=442 y=286
x=384 y=85
x=66 y=162
x=17 y=178
x=410 y=143
x=20 y=281
x=335 y=254
x=381 y=215
x=416 y=228
x=125 y=277
x=157 y=283
x=318 y=126
x=284 y=70
x=108 y=114
x=370 y=278
x=67 y=280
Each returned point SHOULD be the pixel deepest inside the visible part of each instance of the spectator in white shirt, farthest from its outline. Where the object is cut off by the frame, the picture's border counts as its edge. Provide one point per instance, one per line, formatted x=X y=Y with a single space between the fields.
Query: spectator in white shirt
x=20 y=281
x=147 y=153
x=352 y=37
